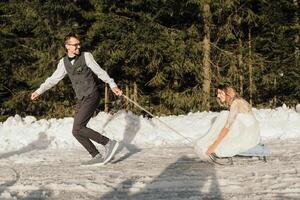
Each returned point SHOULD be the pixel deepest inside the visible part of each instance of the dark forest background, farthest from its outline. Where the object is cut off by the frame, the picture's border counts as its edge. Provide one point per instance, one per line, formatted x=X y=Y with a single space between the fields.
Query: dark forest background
x=168 y=55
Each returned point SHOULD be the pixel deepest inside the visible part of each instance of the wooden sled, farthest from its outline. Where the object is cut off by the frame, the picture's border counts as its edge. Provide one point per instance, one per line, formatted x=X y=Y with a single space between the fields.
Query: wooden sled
x=260 y=151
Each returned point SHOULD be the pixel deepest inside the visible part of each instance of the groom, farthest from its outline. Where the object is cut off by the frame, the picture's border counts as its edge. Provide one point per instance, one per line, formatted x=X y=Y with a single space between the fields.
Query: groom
x=81 y=67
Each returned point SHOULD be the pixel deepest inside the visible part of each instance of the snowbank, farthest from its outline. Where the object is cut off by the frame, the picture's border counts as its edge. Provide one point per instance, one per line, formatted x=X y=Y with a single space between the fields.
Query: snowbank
x=17 y=132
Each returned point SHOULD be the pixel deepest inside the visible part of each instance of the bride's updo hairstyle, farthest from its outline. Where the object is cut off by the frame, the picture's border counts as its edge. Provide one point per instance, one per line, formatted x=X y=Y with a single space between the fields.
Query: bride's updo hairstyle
x=230 y=93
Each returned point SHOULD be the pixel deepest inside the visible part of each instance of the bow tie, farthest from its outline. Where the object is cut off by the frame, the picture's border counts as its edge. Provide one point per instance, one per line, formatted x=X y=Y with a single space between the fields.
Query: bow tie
x=71 y=58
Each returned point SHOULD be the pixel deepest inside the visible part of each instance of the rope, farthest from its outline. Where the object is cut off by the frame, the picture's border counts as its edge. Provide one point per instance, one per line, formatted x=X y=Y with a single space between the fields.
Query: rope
x=175 y=131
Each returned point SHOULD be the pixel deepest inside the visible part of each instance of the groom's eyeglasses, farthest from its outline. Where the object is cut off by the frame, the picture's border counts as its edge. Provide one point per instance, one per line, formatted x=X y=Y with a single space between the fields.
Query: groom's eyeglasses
x=75 y=45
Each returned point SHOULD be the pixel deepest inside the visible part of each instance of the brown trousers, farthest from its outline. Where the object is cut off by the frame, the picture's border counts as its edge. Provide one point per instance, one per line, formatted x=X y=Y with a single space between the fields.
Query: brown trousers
x=84 y=111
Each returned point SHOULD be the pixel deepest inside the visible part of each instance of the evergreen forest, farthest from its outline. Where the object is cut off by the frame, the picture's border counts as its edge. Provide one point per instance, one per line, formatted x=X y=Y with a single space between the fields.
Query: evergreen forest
x=167 y=55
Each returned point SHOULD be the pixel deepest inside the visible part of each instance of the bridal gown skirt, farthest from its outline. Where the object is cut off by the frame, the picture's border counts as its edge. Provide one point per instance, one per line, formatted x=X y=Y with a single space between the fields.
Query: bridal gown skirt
x=244 y=134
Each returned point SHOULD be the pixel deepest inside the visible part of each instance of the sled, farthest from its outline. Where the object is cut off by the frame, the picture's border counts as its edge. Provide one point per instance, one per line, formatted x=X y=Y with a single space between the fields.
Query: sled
x=260 y=151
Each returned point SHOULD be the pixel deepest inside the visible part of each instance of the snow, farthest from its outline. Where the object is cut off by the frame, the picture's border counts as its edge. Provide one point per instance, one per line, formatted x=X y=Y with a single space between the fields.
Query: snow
x=40 y=159
x=17 y=132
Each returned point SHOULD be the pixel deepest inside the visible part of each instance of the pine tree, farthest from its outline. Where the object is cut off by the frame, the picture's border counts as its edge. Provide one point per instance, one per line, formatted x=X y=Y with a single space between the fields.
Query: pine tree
x=280 y=80
x=36 y=43
x=166 y=55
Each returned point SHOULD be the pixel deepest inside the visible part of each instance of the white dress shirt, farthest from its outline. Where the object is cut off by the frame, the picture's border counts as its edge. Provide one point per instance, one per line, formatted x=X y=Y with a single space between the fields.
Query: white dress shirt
x=60 y=73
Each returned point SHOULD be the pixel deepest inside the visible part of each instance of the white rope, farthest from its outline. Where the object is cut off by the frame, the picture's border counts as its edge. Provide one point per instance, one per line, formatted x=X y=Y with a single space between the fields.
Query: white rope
x=175 y=131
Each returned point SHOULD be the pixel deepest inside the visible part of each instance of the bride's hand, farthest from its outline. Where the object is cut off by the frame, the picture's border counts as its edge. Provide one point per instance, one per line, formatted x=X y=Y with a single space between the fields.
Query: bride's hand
x=210 y=150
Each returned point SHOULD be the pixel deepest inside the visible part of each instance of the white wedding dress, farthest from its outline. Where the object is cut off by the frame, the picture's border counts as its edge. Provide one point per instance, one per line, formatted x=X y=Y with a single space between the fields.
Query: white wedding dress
x=244 y=131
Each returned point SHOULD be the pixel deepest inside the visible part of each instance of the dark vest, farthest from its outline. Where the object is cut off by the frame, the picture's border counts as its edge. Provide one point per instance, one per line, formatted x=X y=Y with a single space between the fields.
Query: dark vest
x=81 y=76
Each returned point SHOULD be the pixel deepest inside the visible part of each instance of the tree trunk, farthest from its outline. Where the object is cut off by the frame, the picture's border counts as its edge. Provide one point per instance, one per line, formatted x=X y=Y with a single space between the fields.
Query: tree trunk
x=250 y=67
x=106 y=98
x=297 y=51
x=127 y=94
x=240 y=68
x=241 y=85
x=135 y=92
x=275 y=97
x=206 y=56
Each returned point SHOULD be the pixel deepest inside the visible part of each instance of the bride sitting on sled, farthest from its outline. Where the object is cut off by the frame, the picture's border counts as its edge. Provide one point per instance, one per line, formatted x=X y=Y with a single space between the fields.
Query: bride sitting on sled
x=234 y=131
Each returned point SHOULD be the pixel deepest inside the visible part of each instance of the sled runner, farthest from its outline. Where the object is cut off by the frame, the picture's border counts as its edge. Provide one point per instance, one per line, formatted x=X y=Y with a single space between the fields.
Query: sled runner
x=260 y=151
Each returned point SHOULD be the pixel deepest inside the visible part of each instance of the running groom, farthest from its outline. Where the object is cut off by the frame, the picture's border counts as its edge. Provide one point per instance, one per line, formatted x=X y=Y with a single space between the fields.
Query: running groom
x=80 y=68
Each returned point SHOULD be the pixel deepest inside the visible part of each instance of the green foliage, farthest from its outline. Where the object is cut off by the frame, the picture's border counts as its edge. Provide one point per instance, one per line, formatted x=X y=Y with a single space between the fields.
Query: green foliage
x=30 y=49
x=155 y=44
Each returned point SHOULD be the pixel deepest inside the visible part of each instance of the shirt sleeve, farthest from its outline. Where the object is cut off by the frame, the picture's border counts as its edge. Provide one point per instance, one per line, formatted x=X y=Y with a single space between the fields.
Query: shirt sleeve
x=101 y=73
x=233 y=112
x=57 y=75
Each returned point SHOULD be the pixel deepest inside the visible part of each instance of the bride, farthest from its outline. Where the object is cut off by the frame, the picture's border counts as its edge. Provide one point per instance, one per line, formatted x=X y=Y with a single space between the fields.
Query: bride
x=234 y=131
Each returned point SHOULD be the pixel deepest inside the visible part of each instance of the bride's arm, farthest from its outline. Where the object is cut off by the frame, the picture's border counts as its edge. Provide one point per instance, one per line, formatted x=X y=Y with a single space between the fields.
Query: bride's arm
x=231 y=117
x=220 y=137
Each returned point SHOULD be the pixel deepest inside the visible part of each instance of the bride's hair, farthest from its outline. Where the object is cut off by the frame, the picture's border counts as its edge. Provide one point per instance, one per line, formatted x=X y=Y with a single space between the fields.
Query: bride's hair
x=229 y=91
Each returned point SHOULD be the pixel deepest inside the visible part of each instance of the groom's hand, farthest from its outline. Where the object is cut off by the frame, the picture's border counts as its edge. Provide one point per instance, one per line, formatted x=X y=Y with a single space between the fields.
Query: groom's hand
x=34 y=96
x=117 y=91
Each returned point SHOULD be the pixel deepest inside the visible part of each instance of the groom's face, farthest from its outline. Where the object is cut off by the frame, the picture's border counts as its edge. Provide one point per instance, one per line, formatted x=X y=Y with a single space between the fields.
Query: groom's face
x=73 y=46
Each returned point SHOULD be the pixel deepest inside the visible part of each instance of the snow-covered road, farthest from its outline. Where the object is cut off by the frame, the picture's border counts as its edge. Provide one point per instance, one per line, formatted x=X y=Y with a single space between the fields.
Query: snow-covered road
x=38 y=172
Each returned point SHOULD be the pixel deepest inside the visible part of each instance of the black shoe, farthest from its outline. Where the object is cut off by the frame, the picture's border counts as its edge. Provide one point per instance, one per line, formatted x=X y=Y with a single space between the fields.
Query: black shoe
x=95 y=160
